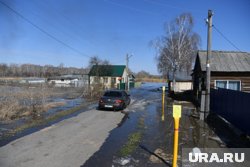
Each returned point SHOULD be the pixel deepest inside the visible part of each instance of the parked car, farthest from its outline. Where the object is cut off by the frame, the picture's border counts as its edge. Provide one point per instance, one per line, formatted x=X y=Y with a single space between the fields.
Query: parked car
x=114 y=99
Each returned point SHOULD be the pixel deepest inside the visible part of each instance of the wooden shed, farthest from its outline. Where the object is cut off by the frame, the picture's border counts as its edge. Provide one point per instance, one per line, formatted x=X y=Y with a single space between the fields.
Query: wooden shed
x=183 y=81
x=229 y=69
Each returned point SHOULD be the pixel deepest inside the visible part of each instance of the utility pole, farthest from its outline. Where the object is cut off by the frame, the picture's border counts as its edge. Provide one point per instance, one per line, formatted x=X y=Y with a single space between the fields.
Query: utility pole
x=208 y=70
x=127 y=79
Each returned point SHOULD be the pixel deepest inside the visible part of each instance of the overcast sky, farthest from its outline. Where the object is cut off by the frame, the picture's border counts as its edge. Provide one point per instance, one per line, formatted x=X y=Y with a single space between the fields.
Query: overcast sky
x=70 y=31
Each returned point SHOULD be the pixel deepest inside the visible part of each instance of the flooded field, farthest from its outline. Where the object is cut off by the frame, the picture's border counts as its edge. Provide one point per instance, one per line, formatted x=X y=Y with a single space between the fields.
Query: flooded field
x=27 y=105
x=22 y=101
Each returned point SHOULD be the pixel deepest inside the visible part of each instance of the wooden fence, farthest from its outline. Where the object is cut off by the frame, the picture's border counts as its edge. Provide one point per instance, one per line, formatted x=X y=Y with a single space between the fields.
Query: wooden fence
x=232 y=105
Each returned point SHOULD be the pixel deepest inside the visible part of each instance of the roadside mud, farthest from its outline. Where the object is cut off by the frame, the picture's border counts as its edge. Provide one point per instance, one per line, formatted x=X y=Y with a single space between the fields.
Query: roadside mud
x=155 y=147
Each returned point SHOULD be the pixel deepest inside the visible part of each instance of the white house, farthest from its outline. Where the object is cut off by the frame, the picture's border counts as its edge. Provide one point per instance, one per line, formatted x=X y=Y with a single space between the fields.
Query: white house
x=183 y=81
x=110 y=76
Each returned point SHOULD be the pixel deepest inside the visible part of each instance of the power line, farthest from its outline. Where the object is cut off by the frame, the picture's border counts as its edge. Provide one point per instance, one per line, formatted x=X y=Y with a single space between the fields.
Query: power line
x=226 y=38
x=75 y=32
x=44 y=31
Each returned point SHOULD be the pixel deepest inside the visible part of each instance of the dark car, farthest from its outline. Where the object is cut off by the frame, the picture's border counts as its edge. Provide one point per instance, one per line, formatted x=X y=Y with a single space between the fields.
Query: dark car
x=114 y=99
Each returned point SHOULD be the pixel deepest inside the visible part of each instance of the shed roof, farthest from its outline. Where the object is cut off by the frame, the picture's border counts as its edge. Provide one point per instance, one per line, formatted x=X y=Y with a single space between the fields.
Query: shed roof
x=107 y=70
x=65 y=77
x=181 y=76
x=226 y=61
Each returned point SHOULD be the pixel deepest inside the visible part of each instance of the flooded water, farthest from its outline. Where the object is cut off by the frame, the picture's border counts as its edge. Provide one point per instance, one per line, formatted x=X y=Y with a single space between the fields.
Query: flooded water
x=142 y=118
x=6 y=128
x=69 y=103
x=156 y=145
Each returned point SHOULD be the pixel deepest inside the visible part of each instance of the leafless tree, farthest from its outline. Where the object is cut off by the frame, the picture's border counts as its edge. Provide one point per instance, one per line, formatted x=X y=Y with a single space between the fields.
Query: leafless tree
x=102 y=68
x=3 y=69
x=142 y=74
x=175 y=49
x=31 y=70
x=95 y=60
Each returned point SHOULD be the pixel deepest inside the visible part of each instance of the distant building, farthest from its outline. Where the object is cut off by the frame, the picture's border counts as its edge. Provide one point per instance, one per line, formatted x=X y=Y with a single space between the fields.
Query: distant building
x=109 y=76
x=69 y=80
x=183 y=81
x=33 y=80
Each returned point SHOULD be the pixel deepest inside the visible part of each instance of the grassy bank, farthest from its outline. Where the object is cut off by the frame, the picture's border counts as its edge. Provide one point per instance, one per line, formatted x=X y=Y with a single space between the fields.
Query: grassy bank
x=22 y=101
x=131 y=145
x=46 y=120
x=134 y=139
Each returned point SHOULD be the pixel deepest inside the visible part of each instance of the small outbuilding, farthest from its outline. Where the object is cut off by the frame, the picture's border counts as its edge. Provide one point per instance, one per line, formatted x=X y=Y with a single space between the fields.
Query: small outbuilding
x=183 y=81
x=69 y=80
x=109 y=76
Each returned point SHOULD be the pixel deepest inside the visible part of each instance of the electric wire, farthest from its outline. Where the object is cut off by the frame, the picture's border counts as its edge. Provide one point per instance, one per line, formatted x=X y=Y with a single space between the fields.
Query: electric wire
x=216 y=29
x=44 y=31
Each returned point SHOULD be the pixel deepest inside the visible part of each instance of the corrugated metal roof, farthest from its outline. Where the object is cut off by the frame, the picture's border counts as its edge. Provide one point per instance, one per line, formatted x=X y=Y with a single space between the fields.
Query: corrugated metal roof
x=226 y=61
x=107 y=70
x=181 y=76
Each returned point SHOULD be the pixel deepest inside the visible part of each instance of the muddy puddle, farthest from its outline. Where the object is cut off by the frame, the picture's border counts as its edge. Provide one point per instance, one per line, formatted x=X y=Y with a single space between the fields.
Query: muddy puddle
x=69 y=103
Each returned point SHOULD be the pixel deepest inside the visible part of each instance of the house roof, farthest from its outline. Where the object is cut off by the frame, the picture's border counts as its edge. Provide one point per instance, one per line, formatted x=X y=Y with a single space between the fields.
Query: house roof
x=226 y=61
x=180 y=76
x=107 y=70
x=66 y=77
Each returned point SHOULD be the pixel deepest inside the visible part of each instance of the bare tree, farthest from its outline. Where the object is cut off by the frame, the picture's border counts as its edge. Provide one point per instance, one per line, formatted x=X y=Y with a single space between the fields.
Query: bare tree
x=142 y=74
x=3 y=69
x=32 y=70
x=100 y=68
x=175 y=49
x=94 y=61
x=105 y=62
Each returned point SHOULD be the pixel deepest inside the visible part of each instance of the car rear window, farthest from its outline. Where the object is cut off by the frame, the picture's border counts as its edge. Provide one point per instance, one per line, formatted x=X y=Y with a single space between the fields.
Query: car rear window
x=113 y=94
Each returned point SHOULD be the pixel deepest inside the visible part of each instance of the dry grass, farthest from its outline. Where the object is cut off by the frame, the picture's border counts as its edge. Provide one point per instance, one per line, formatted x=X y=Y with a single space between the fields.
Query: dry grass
x=158 y=80
x=16 y=102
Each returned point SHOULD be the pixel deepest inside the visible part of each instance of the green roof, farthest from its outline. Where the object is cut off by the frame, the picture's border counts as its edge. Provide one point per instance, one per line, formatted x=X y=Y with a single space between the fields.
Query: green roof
x=107 y=70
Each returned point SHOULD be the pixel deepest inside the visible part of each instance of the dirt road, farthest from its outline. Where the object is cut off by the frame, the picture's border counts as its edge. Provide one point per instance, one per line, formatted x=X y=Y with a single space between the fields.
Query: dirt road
x=66 y=144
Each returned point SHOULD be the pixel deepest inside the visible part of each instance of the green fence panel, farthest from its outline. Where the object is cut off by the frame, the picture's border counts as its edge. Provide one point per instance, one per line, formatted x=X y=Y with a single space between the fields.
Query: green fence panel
x=121 y=86
x=131 y=85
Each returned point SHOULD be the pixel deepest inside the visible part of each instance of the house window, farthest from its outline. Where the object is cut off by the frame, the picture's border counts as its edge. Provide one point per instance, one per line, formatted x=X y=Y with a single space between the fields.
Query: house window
x=221 y=84
x=228 y=84
x=105 y=79
x=96 y=79
x=234 y=85
x=113 y=80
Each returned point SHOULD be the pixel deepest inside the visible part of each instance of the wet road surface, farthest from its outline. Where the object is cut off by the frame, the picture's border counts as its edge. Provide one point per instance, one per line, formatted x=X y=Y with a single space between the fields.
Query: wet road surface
x=70 y=142
x=134 y=137
x=156 y=144
x=67 y=143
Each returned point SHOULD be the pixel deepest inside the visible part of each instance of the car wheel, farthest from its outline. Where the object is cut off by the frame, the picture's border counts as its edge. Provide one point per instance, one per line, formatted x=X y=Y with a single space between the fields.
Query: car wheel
x=124 y=106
